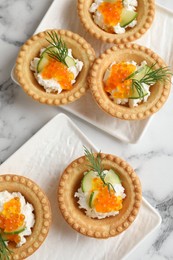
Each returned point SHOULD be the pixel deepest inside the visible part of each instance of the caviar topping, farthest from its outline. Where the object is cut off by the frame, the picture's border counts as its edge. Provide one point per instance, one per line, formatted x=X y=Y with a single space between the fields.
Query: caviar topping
x=102 y=186
x=11 y=219
x=105 y=200
x=111 y=12
x=58 y=71
x=117 y=80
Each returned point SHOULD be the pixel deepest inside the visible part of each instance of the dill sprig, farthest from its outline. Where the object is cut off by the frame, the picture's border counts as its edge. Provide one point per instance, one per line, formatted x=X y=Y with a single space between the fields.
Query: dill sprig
x=95 y=165
x=5 y=252
x=136 y=85
x=57 y=49
x=150 y=77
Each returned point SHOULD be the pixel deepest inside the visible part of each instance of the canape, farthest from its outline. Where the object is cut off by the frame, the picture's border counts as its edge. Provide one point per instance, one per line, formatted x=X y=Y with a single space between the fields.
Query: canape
x=52 y=66
x=25 y=217
x=99 y=195
x=130 y=82
x=116 y=21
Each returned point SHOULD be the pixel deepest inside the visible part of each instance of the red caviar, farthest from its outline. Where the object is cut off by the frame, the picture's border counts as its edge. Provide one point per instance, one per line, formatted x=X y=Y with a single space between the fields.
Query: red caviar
x=105 y=201
x=117 y=80
x=58 y=71
x=111 y=12
x=11 y=218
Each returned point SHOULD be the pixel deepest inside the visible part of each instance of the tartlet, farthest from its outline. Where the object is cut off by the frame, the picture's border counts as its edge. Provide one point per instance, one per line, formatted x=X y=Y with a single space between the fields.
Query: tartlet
x=99 y=228
x=31 y=49
x=42 y=211
x=126 y=53
x=145 y=17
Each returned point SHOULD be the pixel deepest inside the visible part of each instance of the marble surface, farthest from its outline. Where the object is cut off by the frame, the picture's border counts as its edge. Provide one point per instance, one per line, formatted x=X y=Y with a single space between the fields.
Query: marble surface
x=21 y=117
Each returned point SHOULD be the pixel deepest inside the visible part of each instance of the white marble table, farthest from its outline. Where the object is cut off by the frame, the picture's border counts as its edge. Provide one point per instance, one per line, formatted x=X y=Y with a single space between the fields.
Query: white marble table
x=21 y=117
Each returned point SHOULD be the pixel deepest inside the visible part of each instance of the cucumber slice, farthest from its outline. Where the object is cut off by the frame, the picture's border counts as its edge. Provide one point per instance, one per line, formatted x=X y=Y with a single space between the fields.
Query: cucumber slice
x=112 y=177
x=92 y=198
x=6 y=235
x=127 y=16
x=135 y=95
x=70 y=61
x=87 y=181
x=138 y=75
x=15 y=232
x=44 y=59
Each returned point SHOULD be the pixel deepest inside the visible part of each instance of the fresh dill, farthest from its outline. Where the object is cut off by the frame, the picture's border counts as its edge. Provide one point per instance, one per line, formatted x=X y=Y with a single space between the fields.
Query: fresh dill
x=95 y=165
x=57 y=49
x=5 y=252
x=137 y=87
x=150 y=77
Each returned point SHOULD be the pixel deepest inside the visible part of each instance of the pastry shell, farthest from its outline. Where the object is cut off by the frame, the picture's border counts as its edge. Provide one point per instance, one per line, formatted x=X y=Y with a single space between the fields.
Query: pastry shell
x=99 y=228
x=146 y=12
x=31 y=49
x=42 y=211
x=128 y=52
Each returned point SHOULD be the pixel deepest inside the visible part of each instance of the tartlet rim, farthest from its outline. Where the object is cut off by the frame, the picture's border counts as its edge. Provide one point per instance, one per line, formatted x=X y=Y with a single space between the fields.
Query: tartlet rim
x=113 y=229
x=65 y=97
x=128 y=36
x=120 y=111
x=28 y=185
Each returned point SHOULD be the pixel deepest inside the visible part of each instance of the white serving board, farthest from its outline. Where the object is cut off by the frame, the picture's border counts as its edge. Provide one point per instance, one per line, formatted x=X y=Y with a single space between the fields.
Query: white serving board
x=63 y=15
x=42 y=159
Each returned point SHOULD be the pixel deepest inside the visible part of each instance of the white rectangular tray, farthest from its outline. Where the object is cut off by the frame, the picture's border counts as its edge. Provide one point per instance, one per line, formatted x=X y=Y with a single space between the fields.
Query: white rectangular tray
x=42 y=159
x=63 y=15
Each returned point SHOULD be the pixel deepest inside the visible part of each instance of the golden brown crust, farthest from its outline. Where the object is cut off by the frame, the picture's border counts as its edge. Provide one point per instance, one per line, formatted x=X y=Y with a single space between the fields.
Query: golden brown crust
x=127 y=52
x=42 y=211
x=81 y=50
x=146 y=12
x=71 y=180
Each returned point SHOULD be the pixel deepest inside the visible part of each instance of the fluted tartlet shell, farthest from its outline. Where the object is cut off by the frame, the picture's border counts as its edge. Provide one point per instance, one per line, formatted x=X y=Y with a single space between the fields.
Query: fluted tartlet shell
x=99 y=228
x=81 y=50
x=42 y=212
x=146 y=12
x=128 y=52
